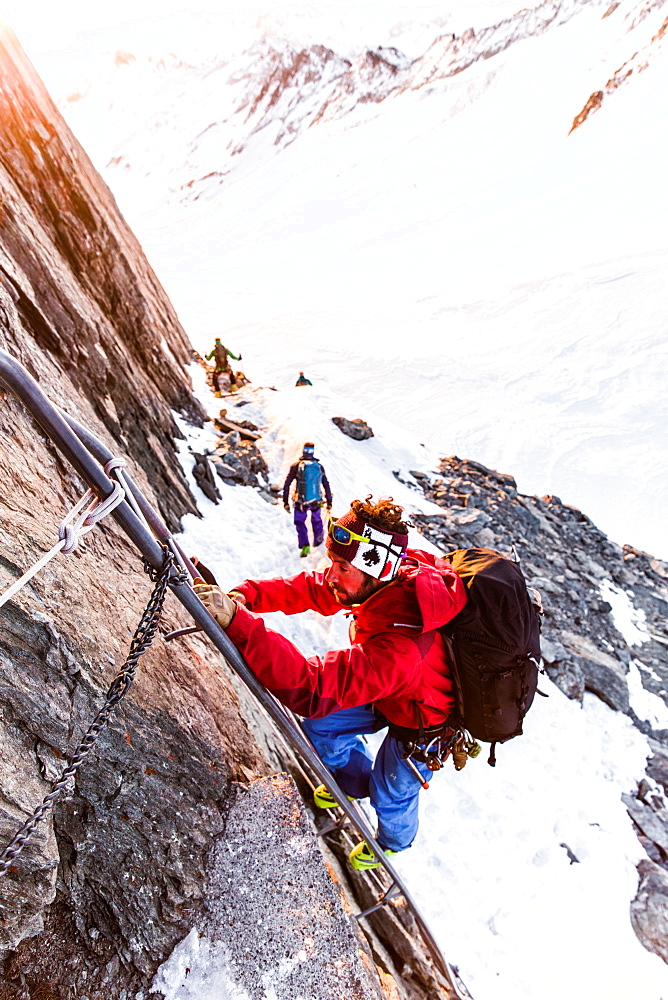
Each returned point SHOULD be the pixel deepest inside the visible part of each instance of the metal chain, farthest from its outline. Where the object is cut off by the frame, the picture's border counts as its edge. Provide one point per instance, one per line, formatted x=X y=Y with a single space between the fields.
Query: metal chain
x=141 y=640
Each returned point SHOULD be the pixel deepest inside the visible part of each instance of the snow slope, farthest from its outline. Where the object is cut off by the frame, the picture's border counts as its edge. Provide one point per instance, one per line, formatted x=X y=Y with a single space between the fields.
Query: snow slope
x=492 y=867
x=494 y=284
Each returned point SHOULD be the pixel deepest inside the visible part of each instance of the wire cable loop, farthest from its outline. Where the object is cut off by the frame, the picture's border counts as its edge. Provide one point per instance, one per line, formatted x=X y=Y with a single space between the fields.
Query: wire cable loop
x=87 y=512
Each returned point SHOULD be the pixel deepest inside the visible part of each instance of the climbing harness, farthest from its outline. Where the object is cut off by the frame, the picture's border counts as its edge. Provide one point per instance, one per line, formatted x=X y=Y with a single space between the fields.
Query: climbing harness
x=141 y=640
x=146 y=529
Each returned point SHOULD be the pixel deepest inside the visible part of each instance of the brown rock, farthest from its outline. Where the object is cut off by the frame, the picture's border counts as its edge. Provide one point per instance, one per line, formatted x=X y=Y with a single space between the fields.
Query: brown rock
x=92 y=315
x=357 y=429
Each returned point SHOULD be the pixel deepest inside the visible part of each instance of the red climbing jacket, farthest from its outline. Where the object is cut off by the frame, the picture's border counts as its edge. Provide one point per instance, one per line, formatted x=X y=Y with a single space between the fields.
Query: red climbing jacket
x=396 y=660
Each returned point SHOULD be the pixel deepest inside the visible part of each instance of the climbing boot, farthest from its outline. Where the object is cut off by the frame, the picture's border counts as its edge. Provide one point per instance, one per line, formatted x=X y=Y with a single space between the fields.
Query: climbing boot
x=304 y=551
x=362 y=857
x=324 y=799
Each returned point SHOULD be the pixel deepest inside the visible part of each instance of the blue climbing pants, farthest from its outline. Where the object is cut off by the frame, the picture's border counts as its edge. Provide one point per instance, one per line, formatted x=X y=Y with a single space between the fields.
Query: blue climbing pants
x=388 y=781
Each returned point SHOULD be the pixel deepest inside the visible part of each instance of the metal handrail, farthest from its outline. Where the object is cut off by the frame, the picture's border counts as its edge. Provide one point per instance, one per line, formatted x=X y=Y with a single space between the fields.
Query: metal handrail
x=88 y=454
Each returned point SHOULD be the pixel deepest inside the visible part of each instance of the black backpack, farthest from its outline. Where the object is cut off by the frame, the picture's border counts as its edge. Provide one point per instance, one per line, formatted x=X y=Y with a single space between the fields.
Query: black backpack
x=494 y=645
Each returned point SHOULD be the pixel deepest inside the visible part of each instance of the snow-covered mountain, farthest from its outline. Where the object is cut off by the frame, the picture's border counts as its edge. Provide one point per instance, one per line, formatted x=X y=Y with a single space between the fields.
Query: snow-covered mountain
x=419 y=221
x=404 y=209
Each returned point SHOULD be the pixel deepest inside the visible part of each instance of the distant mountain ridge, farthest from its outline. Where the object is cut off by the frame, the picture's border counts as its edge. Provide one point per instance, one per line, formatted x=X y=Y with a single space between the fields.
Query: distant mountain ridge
x=276 y=90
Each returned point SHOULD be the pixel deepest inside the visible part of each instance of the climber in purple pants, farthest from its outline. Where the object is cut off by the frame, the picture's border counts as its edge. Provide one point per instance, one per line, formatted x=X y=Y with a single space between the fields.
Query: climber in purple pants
x=300 y=516
x=310 y=480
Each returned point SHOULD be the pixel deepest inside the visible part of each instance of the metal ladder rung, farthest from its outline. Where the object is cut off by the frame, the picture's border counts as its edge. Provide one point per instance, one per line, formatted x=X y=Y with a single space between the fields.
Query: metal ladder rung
x=386 y=898
x=333 y=826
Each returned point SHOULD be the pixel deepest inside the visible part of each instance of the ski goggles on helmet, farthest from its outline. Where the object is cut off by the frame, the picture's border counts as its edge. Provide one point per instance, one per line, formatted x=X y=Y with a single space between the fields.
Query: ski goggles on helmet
x=343 y=535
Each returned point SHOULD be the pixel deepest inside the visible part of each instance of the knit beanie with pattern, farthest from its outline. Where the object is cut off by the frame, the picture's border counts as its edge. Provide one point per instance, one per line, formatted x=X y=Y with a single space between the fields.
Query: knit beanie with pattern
x=380 y=557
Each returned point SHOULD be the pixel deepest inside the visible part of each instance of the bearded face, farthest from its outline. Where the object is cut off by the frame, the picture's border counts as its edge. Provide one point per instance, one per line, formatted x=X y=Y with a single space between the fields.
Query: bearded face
x=349 y=584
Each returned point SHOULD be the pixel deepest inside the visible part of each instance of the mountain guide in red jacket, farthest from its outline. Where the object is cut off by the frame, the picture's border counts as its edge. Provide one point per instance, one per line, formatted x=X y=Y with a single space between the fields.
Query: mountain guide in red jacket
x=394 y=676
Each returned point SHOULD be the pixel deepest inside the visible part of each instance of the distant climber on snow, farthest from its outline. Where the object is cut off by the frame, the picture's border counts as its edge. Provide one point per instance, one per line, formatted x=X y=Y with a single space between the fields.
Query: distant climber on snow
x=310 y=479
x=221 y=356
x=302 y=380
x=394 y=676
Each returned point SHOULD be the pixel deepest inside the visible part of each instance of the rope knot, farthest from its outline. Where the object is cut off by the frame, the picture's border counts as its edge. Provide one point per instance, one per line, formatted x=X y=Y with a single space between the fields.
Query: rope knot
x=87 y=513
x=114 y=463
x=83 y=516
x=67 y=533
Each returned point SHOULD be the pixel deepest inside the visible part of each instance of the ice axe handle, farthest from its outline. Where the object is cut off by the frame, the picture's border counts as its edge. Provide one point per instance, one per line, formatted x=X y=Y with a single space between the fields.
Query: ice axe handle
x=425 y=784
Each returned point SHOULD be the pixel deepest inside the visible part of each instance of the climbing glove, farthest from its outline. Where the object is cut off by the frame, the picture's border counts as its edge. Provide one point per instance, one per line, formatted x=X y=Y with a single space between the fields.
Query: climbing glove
x=222 y=607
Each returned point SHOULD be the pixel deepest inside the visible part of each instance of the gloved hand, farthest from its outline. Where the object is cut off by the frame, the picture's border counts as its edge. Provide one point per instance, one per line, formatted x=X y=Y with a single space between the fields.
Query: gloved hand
x=237 y=596
x=222 y=607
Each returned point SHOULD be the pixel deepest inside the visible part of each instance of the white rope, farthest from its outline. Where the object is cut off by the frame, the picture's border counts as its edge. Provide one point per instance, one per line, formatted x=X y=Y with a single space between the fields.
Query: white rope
x=117 y=465
x=15 y=587
x=81 y=519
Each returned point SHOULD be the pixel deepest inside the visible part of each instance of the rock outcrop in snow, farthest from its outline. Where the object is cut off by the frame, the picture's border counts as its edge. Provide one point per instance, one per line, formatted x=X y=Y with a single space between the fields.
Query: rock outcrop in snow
x=637 y=63
x=357 y=428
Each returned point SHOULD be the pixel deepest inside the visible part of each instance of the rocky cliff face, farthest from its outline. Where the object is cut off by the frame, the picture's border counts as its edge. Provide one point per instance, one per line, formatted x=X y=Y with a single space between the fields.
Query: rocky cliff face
x=109 y=883
x=95 y=320
x=141 y=849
